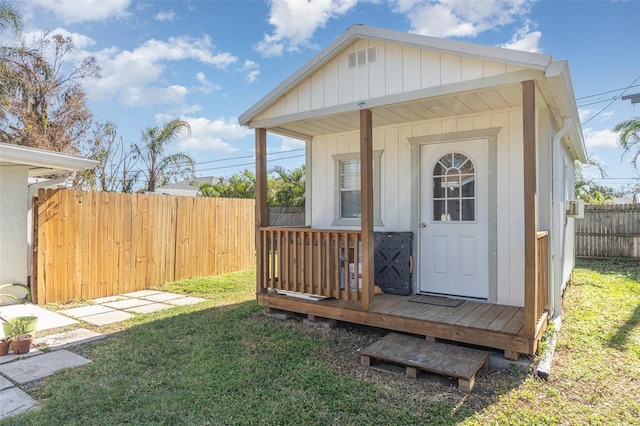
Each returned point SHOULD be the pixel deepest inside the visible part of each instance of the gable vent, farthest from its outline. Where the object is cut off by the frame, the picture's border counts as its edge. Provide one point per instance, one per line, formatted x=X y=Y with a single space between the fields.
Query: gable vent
x=362 y=57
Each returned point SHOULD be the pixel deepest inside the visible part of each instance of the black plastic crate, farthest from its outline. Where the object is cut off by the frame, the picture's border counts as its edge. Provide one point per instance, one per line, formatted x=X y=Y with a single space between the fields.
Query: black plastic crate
x=393 y=261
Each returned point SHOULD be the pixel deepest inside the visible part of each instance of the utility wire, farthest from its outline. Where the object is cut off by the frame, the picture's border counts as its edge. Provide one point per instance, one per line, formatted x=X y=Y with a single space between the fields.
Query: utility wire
x=245 y=164
x=607 y=92
x=612 y=101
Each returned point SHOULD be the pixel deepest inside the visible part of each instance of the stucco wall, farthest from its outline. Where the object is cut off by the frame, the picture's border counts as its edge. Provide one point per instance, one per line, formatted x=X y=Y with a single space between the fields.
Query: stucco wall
x=13 y=224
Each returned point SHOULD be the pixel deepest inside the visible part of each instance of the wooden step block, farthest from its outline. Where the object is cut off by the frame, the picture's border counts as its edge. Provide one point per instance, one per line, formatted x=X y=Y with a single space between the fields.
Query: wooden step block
x=423 y=355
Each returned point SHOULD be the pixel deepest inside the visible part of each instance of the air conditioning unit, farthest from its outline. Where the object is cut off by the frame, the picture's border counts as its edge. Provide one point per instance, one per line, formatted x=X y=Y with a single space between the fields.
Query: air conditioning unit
x=575 y=209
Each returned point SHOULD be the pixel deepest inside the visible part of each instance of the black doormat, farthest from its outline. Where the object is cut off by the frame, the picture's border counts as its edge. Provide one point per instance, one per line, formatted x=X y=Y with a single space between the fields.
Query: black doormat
x=438 y=301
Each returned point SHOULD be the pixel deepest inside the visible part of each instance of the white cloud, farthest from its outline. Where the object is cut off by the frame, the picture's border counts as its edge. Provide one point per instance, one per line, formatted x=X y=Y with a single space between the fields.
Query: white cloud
x=81 y=41
x=584 y=113
x=289 y=144
x=148 y=96
x=210 y=135
x=251 y=69
x=296 y=21
x=460 y=18
x=600 y=138
x=165 y=16
x=205 y=85
x=126 y=75
x=525 y=39
x=74 y=11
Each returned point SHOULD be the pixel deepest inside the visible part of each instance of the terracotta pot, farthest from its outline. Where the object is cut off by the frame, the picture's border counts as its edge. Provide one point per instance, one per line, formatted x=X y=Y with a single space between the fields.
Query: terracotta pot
x=21 y=345
x=4 y=347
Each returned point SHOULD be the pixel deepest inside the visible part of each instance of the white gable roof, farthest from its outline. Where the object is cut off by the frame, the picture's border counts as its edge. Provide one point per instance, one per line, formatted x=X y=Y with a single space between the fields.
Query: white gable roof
x=274 y=113
x=470 y=50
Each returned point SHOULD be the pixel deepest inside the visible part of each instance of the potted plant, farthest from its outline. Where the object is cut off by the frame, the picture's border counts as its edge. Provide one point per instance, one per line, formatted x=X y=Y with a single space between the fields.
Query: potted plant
x=4 y=346
x=20 y=334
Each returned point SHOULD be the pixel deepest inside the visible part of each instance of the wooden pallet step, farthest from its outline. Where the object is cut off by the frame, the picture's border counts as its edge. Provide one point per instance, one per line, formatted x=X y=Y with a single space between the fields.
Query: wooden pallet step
x=417 y=354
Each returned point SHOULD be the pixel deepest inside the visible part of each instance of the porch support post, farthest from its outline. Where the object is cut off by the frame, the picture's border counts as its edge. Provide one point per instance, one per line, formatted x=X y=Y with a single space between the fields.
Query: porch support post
x=366 y=206
x=262 y=212
x=530 y=206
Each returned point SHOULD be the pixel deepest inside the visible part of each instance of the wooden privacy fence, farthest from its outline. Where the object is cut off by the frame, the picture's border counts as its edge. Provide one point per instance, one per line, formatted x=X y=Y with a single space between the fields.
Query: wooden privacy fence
x=609 y=231
x=97 y=244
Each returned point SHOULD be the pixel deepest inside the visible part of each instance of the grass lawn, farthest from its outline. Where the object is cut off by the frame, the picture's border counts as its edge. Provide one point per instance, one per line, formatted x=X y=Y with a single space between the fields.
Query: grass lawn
x=223 y=362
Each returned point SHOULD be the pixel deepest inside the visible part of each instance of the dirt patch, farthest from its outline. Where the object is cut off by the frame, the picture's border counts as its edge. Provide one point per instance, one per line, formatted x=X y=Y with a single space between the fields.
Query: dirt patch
x=343 y=354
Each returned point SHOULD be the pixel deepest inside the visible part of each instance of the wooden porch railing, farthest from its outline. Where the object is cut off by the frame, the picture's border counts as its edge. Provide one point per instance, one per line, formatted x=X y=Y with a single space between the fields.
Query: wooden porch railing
x=536 y=299
x=311 y=261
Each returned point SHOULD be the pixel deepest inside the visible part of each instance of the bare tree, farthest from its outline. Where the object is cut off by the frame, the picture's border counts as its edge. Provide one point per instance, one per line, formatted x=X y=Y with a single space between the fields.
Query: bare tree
x=46 y=106
x=115 y=173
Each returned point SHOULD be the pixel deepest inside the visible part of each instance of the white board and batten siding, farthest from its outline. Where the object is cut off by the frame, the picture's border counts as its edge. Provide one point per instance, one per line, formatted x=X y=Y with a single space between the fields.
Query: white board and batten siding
x=397 y=69
x=396 y=179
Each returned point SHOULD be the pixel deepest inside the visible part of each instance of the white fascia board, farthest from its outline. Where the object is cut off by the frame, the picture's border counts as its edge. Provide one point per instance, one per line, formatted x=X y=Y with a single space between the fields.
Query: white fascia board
x=314 y=63
x=472 y=50
x=533 y=61
x=43 y=161
x=559 y=79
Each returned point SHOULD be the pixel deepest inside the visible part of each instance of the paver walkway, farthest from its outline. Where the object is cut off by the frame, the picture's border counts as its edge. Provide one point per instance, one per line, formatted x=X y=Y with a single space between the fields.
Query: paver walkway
x=17 y=370
x=112 y=309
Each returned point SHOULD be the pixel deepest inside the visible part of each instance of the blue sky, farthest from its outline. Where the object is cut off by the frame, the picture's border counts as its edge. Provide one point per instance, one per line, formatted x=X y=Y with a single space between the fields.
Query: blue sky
x=207 y=62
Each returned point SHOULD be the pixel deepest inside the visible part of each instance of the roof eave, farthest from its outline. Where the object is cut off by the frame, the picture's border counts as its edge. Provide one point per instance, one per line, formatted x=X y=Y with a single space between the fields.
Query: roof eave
x=559 y=79
x=43 y=162
x=477 y=51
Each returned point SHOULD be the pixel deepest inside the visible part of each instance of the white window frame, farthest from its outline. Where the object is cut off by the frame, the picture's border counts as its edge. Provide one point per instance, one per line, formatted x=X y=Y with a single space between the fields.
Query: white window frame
x=338 y=220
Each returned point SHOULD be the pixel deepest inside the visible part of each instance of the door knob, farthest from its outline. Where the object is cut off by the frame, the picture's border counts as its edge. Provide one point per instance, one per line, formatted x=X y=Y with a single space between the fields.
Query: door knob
x=423 y=225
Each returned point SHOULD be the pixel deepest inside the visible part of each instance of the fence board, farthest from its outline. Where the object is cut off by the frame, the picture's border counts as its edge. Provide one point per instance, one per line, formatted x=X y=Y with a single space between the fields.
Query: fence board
x=92 y=244
x=609 y=231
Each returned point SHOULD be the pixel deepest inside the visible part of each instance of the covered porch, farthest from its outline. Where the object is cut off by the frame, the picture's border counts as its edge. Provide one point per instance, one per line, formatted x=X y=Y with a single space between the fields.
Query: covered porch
x=314 y=264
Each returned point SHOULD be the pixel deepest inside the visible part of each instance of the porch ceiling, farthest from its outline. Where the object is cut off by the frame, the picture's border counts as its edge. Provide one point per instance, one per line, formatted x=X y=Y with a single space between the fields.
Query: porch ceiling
x=461 y=103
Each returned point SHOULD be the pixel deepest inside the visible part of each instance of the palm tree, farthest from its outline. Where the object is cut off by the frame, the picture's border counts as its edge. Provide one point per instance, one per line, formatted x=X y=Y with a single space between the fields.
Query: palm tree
x=288 y=188
x=629 y=138
x=160 y=168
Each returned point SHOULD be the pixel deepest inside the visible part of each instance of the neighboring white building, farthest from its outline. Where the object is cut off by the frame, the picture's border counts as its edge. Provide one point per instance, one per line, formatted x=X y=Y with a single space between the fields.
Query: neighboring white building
x=187 y=187
x=17 y=165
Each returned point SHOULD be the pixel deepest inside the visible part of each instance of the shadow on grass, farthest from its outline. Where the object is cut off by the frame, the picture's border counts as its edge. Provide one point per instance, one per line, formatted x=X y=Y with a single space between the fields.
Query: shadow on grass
x=232 y=365
x=621 y=338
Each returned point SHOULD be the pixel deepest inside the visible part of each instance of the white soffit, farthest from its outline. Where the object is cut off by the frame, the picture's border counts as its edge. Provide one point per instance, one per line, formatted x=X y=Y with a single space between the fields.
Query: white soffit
x=42 y=162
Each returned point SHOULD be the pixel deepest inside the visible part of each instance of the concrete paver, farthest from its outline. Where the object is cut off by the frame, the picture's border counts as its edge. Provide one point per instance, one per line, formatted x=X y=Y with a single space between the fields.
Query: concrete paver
x=128 y=303
x=12 y=357
x=141 y=293
x=86 y=311
x=68 y=338
x=15 y=401
x=35 y=368
x=107 y=317
x=163 y=297
x=101 y=300
x=154 y=307
x=5 y=384
x=183 y=301
x=47 y=320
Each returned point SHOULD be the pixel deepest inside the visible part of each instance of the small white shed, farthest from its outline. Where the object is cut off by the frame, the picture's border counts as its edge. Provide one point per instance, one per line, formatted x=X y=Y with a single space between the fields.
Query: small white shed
x=468 y=148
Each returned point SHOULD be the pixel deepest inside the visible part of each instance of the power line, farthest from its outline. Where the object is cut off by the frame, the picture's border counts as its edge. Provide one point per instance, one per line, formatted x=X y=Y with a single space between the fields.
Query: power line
x=607 y=92
x=612 y=101
x=248 y=156
x=186 y=163
x=244 y=164
x=615 y=178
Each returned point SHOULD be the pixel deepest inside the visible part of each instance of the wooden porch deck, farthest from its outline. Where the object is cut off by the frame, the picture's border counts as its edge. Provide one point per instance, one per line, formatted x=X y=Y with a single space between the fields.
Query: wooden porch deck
x=483 y=324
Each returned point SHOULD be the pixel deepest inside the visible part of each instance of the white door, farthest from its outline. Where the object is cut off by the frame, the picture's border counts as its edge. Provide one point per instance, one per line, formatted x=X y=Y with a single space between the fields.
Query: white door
x=454 y=219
